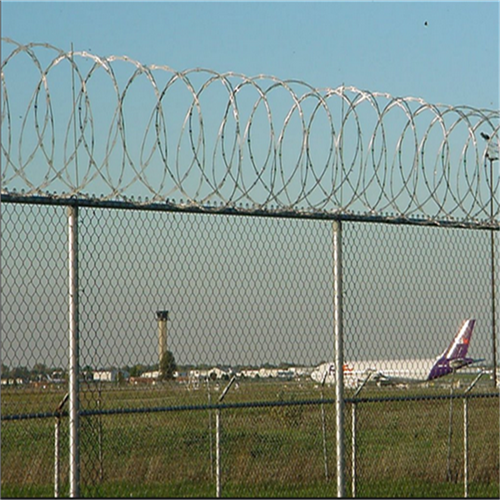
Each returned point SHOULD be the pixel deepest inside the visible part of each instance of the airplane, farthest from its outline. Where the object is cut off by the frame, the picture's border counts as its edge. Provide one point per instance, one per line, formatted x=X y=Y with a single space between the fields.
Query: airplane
x=404 y=371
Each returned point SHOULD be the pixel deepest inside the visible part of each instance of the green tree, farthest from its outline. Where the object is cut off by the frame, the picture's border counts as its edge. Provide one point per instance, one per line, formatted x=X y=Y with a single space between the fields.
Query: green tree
x=87 y=373
x=137 y=370
x=5 y=371
x=39 y=369
x=20 y=372
x=167 y=366
x=120 y=377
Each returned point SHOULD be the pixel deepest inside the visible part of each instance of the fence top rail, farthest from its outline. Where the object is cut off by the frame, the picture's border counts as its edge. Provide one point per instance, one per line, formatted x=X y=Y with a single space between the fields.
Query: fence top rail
x=244 y=211
x=79 y=124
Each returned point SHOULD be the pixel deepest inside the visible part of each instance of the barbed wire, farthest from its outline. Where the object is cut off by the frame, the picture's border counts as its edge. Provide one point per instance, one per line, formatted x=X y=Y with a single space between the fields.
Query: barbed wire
x=75 y=124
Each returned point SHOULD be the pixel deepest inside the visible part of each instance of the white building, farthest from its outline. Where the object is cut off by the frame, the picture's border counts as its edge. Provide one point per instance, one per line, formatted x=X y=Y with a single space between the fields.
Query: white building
x=214 y=373
x=109 y=375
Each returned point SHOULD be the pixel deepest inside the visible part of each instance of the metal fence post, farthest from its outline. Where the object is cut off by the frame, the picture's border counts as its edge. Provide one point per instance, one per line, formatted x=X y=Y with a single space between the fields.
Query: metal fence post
x=56 y=455
x=353 y=449
x=466 y=448
x=57 y=435
x=210 y=430
x=100 y=438
x=323 y=427
x=217 y=453
x=74 y=397
x=450 y=436
x=339 y=379
x=493 y=284
x=217 y=439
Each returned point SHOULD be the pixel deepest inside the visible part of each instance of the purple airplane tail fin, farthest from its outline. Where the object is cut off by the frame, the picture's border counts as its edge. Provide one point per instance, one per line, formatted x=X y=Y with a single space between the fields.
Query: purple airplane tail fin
x=460 y=344
x=454 y=357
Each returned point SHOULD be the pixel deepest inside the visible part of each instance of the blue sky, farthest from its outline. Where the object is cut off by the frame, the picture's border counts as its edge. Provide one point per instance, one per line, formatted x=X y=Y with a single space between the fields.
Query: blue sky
x=444 y=52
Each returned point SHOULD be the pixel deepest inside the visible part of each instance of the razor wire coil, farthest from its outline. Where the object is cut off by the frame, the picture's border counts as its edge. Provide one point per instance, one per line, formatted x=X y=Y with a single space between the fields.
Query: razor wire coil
x=203 y=139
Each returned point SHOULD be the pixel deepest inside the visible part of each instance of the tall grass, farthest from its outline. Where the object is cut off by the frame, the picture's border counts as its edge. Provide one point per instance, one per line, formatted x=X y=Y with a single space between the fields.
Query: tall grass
x=403 y=448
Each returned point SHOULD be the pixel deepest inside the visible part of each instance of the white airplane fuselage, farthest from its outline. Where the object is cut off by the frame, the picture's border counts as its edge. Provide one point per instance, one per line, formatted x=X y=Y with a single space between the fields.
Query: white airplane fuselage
x=404 y=371
x=355 y=372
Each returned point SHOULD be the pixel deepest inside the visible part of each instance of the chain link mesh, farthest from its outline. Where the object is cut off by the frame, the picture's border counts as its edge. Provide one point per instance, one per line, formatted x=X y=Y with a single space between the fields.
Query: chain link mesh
x=34 y=345
x=250 y=298
x=406 y=292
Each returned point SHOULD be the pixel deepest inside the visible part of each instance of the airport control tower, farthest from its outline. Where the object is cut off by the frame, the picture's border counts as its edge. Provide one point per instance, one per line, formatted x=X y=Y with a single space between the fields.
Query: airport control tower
x=162 y=317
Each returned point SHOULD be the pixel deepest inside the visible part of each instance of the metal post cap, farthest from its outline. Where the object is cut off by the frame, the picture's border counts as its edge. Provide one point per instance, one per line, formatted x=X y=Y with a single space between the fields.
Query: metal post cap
x=162 y=315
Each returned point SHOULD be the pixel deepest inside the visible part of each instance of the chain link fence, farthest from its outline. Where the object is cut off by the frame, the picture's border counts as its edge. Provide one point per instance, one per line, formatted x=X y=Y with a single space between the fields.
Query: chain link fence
x=405 y=289
x=218 y=397
x=182 y=333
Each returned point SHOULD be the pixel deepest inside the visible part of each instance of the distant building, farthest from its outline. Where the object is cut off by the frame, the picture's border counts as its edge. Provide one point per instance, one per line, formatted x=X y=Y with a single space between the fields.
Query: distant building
x=13 y=381
x=109 y=375
x=215 y=373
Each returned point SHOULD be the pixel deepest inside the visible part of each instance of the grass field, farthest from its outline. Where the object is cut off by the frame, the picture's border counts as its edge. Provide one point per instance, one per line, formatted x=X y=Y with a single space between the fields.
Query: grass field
x=404 y=449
